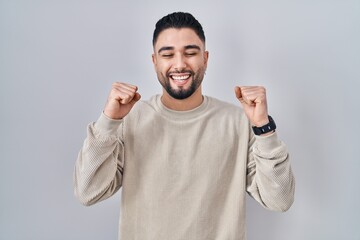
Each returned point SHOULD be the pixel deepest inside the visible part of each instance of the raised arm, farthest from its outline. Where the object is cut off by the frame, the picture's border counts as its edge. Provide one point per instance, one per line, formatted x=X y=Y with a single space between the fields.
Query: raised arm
x=99 y=166
x=270 y=180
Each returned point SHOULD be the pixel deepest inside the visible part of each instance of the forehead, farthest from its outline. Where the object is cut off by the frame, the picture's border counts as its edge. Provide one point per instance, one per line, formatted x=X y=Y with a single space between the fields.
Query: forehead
x=178 y=38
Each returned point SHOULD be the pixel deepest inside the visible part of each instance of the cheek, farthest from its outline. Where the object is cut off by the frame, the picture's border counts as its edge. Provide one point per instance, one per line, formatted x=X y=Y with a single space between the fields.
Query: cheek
x=197 y=65
x=162 y=67
x=161 y=71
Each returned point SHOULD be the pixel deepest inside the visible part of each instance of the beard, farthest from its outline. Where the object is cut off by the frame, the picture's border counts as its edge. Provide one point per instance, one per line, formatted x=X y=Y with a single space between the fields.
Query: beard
x=182 y=93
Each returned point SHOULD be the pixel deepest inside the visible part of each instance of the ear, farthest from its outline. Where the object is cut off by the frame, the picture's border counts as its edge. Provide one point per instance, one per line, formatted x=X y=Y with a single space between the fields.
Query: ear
x=153 y=58
x=206 y=57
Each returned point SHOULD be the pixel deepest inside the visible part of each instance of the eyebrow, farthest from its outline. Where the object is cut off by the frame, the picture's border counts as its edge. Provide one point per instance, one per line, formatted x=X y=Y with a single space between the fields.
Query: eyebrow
x=192 y=47
x=166 y=48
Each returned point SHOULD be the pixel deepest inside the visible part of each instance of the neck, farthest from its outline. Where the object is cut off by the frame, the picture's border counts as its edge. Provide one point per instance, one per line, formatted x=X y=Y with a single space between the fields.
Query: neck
x=186 y=104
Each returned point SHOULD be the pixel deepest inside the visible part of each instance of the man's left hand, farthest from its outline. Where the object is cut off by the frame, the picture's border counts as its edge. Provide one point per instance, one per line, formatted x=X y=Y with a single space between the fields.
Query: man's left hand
x=253 y=101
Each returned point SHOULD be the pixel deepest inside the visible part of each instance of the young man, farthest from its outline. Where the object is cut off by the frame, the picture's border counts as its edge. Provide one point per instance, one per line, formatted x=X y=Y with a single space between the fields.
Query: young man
x=184 y=160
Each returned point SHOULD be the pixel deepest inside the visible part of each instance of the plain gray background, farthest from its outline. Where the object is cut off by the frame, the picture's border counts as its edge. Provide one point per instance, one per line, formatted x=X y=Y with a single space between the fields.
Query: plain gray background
x=59 y=58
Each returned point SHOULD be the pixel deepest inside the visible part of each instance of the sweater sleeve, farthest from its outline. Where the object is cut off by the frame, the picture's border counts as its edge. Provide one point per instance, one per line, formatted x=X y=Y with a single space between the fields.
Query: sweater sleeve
x=99 y=166
x=270 y=180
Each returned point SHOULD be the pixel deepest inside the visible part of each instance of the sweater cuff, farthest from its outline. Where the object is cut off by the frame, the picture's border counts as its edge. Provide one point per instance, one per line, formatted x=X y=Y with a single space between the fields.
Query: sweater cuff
x=268 y=143
x=107 y=126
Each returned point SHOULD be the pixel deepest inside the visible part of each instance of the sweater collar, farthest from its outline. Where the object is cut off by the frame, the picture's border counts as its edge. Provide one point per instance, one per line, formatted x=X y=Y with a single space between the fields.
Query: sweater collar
x=180 y=114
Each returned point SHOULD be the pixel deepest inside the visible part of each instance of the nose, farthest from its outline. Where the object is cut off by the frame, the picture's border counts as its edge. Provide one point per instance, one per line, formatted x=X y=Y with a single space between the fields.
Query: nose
x=179 y=62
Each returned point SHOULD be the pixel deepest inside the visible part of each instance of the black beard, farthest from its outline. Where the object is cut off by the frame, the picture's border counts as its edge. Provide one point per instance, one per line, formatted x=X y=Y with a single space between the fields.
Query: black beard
x=181 y=93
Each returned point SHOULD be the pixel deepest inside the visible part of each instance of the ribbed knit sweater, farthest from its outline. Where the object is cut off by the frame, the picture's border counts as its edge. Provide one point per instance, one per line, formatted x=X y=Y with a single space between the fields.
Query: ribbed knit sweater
x=184 y=174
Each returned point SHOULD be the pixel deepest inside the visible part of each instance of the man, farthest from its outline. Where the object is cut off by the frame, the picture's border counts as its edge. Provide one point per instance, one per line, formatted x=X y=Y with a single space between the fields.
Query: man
x=185 y=161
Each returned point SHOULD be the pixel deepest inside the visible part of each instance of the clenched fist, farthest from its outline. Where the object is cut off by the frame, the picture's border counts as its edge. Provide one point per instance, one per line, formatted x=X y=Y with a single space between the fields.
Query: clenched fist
x=121 y=99
x=253 y=101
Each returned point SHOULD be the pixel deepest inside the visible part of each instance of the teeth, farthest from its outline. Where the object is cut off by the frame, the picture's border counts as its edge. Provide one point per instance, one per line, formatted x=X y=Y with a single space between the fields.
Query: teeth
x=180 y=78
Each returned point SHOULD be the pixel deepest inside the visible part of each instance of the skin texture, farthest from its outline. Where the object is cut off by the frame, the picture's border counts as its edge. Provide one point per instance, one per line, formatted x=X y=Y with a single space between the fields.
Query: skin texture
x=180 y=53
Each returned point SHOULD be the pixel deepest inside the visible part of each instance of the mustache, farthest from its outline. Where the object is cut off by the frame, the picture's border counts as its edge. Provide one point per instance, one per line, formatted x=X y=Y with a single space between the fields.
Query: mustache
x=180 y=72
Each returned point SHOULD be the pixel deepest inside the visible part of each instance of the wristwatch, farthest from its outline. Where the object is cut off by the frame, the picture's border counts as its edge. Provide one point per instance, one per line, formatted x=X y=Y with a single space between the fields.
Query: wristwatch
x=271 y=126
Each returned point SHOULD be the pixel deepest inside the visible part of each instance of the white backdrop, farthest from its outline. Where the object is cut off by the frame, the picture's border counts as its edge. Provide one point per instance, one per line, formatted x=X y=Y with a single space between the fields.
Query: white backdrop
x=59 y=58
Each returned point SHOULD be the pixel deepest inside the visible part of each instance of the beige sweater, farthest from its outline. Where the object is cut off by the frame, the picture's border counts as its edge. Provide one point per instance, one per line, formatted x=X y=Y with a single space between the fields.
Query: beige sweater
x=184 y=175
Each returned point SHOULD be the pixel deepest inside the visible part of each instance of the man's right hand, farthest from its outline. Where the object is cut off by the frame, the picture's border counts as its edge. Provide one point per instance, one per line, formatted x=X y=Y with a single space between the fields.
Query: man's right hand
x=121 y=99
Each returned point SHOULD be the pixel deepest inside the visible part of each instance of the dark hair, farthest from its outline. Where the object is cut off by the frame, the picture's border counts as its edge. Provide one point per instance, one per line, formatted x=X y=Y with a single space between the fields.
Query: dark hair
x=178 y=20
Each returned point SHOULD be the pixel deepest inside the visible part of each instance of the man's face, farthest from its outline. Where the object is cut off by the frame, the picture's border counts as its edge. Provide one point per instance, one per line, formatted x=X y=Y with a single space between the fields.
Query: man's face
x=180 y=61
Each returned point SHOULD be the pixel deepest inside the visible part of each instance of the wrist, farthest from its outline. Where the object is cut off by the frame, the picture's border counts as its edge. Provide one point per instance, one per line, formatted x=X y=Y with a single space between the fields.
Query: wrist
x=261 y=122
x=267 y=128
x=112 y=115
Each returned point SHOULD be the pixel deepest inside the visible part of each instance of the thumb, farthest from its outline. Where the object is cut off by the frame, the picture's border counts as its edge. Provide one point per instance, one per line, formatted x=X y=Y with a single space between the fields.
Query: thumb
x=135 y=98
x=238 y=94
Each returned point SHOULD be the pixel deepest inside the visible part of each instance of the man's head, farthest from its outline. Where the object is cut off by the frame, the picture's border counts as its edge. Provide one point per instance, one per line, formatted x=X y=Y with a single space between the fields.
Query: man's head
x=178 y=20
x=179 y=58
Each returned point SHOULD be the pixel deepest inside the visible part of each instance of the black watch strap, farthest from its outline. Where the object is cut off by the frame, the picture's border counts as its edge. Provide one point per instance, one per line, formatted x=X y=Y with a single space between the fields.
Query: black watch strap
x=271 y=126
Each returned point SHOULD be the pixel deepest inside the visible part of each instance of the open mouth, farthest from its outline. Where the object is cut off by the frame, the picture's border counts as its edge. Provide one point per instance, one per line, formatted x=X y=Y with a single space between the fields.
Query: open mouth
x=180 y=79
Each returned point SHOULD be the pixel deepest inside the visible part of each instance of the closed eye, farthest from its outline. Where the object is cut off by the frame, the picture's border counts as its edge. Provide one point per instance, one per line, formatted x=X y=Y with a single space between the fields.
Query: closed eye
x=169 y=55
x=191 y=53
